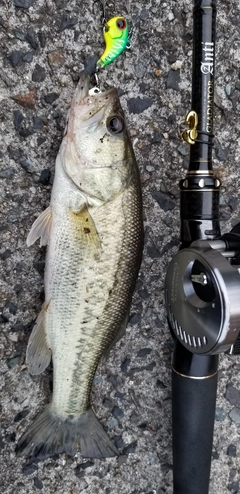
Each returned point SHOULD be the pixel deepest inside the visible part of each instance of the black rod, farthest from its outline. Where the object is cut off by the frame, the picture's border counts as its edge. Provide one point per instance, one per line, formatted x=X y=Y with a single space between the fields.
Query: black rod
x=193 y=413
x=204 y=19
x=194 y=377
x=199 y=191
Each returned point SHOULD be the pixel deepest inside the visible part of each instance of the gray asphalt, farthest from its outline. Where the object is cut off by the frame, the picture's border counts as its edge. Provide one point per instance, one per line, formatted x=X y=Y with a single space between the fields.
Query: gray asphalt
x=43 y=47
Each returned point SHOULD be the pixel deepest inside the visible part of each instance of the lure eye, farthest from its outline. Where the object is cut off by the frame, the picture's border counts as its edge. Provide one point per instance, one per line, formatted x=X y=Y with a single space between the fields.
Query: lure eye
x=121 y=24
x=115 y=125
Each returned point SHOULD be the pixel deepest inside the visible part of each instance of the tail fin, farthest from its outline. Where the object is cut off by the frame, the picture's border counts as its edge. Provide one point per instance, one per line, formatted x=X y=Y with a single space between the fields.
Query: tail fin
x=50 y=435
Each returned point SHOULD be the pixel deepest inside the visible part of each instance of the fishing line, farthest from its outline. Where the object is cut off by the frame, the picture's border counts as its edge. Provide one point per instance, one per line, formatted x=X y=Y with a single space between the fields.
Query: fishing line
x=116 y=34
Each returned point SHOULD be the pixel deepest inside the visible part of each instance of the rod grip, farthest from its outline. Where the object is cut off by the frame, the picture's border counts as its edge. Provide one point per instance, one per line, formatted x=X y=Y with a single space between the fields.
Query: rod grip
x=193 y=413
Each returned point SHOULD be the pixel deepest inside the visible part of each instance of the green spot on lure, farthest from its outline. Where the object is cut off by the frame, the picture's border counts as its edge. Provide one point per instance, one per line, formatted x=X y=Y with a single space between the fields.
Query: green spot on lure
x=116 y=36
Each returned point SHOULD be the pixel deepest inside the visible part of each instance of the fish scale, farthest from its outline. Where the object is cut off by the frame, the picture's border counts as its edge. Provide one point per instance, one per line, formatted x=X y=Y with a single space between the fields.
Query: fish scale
x=81 y=372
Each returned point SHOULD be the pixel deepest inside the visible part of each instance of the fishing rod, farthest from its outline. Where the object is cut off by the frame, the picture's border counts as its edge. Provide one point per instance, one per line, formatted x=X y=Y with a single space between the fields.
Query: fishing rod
x=202 y=283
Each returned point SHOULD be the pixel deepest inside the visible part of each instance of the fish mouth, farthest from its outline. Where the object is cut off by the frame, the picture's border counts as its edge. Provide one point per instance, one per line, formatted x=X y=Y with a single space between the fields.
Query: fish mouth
x=92 y=108
x=84 y=91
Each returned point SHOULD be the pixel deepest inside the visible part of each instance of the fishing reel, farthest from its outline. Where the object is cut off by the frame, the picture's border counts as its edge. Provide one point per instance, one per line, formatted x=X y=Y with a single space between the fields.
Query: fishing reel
x=202 y=295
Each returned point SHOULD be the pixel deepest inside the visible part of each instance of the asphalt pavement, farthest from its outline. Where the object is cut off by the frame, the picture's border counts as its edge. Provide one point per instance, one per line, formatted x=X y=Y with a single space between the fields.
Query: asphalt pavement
x=44 y=45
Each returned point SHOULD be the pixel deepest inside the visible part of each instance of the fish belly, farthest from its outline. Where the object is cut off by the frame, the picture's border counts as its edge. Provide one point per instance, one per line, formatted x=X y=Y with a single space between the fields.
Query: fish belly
x=87 y=298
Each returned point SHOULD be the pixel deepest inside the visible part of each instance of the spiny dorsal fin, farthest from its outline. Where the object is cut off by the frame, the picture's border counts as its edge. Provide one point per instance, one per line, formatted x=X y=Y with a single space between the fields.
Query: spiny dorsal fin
x=38 y=351
x=41 y=228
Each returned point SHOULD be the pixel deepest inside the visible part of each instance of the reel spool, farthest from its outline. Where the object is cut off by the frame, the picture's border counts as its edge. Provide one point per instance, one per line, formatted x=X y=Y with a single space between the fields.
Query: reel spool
x=202 y=291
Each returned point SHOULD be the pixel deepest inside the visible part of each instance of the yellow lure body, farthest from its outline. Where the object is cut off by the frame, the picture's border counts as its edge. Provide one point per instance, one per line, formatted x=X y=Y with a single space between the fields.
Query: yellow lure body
x=115 y=33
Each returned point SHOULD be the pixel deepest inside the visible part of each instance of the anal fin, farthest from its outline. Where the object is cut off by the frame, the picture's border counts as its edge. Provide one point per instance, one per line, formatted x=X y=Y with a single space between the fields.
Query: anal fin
x=41 y=228
x=39 y=353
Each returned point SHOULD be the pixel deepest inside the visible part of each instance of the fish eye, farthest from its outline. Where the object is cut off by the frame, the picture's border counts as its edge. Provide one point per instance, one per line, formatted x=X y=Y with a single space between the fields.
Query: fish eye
x=115 y=124
x=121 y=23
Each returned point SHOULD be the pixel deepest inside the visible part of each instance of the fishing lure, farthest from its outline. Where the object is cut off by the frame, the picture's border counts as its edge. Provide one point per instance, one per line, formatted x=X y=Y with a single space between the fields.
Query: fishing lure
x=116 y=36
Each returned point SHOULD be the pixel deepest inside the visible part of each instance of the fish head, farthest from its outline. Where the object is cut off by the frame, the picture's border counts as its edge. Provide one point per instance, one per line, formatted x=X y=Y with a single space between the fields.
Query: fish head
x=96 y=135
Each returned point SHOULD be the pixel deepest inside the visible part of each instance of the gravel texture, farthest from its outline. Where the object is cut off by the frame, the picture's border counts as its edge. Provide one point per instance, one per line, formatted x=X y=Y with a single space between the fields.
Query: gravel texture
x=44 y=45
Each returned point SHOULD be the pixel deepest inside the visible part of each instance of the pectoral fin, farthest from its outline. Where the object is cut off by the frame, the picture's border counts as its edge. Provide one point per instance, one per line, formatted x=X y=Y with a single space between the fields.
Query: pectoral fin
x=85 y=228
x=38 y=351
x=41 y=228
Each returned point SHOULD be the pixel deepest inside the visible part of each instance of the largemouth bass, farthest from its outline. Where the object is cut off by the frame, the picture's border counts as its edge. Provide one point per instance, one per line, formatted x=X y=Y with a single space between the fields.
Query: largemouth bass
x=93 y=229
